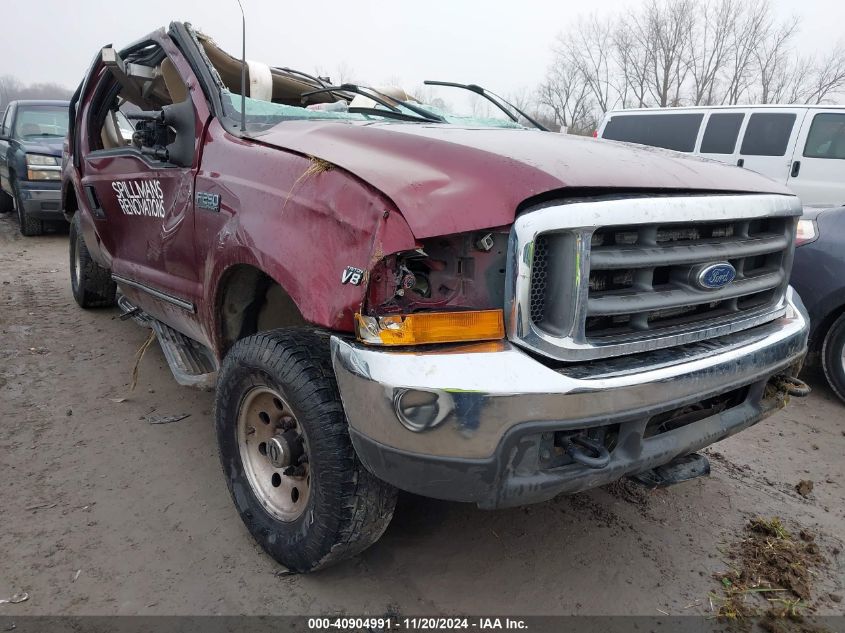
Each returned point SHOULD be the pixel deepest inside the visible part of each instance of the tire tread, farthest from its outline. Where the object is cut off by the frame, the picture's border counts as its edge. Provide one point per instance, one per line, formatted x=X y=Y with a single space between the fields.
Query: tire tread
x=834 y=342
x=300 y=358
x=95 y=288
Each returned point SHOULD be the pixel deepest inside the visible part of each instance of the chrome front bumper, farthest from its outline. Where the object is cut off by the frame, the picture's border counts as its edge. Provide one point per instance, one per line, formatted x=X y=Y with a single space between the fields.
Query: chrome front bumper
x=460 y=422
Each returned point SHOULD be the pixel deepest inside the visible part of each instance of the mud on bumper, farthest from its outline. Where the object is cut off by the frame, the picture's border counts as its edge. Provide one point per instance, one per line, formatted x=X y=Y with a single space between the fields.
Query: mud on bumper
x=487 y=423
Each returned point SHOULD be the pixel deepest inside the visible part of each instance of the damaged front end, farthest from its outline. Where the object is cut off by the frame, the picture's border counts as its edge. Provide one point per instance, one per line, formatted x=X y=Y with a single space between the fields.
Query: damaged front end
x=449 y=290
x=491 y=424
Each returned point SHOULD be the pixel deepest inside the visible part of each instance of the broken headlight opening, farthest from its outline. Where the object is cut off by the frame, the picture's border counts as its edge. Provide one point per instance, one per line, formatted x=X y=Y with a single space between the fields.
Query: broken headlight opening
x=449 y=290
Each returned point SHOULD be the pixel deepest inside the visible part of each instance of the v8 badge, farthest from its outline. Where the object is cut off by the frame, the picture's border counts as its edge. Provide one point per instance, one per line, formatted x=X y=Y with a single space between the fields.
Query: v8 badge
x=352 y=275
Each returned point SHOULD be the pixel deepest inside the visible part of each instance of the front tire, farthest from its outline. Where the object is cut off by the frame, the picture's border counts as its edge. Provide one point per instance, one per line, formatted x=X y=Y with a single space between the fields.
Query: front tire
x=286 y=453
x=833 y=357
x=30 y=227
x=7 y=204
x=91 y=284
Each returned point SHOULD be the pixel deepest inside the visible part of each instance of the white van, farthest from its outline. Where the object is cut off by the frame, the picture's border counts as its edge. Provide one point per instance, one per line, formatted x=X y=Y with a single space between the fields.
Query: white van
x=802 y=146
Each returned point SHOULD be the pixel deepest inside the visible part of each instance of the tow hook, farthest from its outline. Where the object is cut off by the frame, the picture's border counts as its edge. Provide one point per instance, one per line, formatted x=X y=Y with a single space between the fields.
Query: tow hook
x=791 y=385
x=680 y=469
x=579 y=448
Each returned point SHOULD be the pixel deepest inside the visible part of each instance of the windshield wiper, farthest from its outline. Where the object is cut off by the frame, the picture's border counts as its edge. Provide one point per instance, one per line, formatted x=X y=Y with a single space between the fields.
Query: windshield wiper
x=501 y=103
x=388 y=114
x=382 y=99
x=349 y=88
x=426 y=114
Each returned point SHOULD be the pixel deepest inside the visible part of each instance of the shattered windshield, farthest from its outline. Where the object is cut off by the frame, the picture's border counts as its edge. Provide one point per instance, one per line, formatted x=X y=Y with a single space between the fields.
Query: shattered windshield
x=280 y=94
x=264 y=114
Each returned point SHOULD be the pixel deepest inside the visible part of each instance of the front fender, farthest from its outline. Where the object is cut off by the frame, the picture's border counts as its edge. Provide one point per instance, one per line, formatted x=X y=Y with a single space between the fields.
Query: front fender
x=299 y=221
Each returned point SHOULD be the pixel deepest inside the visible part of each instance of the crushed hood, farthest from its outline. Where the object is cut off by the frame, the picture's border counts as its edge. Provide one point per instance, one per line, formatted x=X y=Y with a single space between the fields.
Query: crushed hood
x=446 y=179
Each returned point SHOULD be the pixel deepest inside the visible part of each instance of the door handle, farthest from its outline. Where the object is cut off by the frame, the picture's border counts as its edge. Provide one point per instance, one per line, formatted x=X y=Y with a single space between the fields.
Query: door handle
x=796 y=167
x=94 y=203
x=740 y=162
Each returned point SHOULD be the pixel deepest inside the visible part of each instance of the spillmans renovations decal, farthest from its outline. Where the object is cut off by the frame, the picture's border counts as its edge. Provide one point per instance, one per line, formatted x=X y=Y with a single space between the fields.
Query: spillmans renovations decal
x=140 y=197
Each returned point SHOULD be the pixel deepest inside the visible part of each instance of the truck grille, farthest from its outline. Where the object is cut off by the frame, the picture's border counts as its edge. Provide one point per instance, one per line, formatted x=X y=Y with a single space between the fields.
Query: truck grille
x=617 y=288
x=640 y=278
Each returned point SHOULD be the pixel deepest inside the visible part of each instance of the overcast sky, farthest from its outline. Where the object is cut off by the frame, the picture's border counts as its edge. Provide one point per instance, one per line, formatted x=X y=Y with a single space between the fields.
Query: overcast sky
x=501 y=44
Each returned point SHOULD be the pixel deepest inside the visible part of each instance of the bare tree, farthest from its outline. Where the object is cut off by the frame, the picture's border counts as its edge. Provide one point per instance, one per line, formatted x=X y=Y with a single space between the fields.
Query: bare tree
x=827 y=78
x=773 y=61
x=674 y=52
x=633 y=58
x=588 y=47
x=12 y=88
x=744 y=35
x=707 y=46
x=664 y=28
x=568 y=98
x=342 y=73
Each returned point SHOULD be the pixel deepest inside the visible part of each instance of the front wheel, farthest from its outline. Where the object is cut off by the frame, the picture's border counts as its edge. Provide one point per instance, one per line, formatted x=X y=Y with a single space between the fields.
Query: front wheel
x=91 y=284
x=833 y=357
x=286 y=453
x=7 y=204
x=30 y=226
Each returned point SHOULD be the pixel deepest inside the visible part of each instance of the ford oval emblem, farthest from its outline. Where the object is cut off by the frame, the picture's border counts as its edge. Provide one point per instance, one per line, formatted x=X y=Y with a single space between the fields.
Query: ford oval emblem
x=714 y=276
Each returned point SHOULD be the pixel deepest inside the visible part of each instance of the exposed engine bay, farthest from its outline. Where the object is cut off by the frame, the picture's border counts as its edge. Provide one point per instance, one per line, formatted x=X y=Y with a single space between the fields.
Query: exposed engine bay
x=458 y=271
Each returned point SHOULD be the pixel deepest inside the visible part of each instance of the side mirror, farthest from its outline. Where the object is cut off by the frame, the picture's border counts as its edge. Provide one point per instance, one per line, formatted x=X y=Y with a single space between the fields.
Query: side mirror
x=180 y=116
x=153 y=132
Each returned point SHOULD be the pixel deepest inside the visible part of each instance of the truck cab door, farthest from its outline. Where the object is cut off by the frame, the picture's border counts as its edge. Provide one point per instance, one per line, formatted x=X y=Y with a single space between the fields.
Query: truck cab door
x=768 y=141
x=817 y=174
x=145 y=127
x=6 y=148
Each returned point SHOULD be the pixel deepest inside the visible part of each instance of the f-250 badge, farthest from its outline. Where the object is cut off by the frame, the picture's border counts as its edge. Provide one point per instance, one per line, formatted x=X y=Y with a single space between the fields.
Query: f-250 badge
x=352 y=275
x=208 y=201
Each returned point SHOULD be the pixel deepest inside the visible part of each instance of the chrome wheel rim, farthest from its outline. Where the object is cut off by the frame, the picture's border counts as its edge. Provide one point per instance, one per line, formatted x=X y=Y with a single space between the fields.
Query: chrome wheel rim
x=77 y=263
x=274 y=452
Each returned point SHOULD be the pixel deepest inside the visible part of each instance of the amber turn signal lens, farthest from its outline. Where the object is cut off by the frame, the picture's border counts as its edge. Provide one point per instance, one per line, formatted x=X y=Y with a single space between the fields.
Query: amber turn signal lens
x=431 y=327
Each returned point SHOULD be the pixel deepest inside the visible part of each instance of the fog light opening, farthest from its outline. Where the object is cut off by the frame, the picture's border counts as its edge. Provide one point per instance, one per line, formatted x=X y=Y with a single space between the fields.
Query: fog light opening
x=421 y=410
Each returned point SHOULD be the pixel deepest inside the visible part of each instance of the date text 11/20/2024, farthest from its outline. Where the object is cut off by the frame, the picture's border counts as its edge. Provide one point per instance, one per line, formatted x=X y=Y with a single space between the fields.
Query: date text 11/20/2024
x=415 y=624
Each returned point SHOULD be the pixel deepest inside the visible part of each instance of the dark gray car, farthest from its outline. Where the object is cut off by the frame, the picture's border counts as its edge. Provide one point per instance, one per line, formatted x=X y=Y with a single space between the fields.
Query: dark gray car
x=31 y=138
x=819 y=277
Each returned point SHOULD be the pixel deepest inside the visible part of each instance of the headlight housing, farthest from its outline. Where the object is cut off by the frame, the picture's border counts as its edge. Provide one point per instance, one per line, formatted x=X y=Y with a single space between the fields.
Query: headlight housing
x=43 y=167
x=808 y=231
x=449 y=290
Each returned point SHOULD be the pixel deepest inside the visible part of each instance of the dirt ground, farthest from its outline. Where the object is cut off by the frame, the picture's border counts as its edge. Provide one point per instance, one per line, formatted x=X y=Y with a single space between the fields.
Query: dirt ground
x=104 y=513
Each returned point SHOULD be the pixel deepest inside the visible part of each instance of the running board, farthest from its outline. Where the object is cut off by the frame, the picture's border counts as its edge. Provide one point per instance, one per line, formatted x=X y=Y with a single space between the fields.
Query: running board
x=192 y=364
x=129 y=311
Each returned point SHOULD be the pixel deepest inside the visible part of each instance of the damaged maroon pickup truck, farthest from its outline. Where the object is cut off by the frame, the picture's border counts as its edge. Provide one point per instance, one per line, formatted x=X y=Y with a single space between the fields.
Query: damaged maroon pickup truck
x=388 y=294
